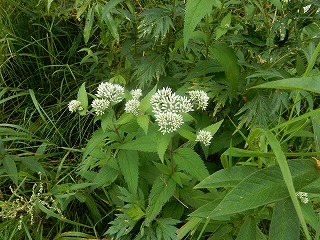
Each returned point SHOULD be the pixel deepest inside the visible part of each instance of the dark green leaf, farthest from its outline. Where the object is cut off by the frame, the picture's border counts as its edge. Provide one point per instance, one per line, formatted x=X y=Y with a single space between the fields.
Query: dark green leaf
x=145 y=144
x=128 y=162
x=248 y=229
x=11 y=168
x=88 y=25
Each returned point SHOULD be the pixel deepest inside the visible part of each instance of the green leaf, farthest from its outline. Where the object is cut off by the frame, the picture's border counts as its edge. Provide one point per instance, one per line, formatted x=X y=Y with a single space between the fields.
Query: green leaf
x=143 y=122
x=228 y=60
x=265 y=186
x=248 y=229
x=145 y=102
x=214 y=127
x=49 y=5
x=162 y=144
x=112 y=26
x=166 y=229
x=162 y=190
x=11 y=168
x=34 y=166
x=107 y=119
x=2 y=149
x=146 y=143
x=83 y=98
x=226 y=21
x=128 y=162
x=105 y=176
x=97 y=137
x=285 y=222
x=195 y=11
x=88 y=25
x=192 y=224
x=190 y=162
x=228 y=177
x=310 y=84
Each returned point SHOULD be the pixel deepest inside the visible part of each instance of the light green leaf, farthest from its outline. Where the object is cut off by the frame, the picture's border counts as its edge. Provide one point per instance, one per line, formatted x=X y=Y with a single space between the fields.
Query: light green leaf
x=195 y=11
x=162 y=144
x=265 y=186
x=277 y=3
x=112 y=26
x=192 y=224
x=83 y=98
x=228 y=60
x=214 y=127
x=105 y=176
x=162 y=190
x=97 y=137
x=145 y=144
x=107 y=120
x=248 y=229
x=88 y=25
x=11 y=169
x=220 y=32
x=285 y=222
x=190 y=162
x=49 y=5
x=128 y=162
x=226 y=21
x=143 y=122
x=228 y=177
x=310 y=84
x=145 y=102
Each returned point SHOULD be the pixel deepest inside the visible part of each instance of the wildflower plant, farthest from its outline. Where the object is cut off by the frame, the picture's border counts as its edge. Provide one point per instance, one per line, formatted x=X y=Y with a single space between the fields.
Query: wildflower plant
x=160 y=123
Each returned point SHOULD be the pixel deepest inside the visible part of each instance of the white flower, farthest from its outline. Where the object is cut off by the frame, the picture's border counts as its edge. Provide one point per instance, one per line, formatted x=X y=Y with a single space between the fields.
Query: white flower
x=168 y=121
x=100 y=105
x=133 y=106
x=111 y=92
x=75 y=106
x=199 y=98
x=303 y=196
x=204 y=137
x=166 y=101
x=136 y=94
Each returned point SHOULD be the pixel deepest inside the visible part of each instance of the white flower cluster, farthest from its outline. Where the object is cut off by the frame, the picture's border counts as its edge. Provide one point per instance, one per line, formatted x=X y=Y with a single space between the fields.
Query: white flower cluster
x=204 y=137
x=107 y=93
x=199 y=98
x=75 y=106
x=303 y=196
x=133 y=105
x=168 y=109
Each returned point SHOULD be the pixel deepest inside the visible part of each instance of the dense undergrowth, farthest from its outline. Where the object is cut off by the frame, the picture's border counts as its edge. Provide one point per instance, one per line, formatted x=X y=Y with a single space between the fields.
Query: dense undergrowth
x=220 y=143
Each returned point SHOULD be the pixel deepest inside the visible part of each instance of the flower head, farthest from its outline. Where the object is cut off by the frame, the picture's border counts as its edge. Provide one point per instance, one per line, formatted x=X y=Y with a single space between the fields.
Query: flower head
x=303 y=196
x=168 y=121
x=75 y=106
x=204 y=137
x=110 y=91
x=136 y=94
x=100 y=105
x=133 y=106
x=166 y=101
x=199 y=98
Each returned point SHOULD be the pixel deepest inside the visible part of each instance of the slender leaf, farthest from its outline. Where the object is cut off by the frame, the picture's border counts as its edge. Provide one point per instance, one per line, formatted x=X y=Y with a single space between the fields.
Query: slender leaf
x=11 y=168
x=83 y=98
x=128 y=162
x=88 y=25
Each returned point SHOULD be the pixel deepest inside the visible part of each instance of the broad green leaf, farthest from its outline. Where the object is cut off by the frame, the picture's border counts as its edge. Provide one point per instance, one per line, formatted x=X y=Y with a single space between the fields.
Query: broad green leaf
x=143 y=122
x=285 y=222
x=277 y=3
x=187 y=132
x=88 y=25
x=128 y=163
x=145 y=102
x=265 y=186
x=146 y=143
x=83 y=98
x=226 y=21
x=189 y=161
x=228 y=177
x=97 y=137
x=248 y=229
x=162 y=190
x=33 y=165
x=310 y=84
x=11 y=168
x=162 y=144
x=107 y=120
x=228 y=60
x=220 y=32
x=195 y=11
x=105 y=176
x=214 y=127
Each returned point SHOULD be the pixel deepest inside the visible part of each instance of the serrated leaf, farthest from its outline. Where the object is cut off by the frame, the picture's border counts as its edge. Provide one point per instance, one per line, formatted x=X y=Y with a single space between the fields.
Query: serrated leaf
x=105 y=176
x=190 y=162
x=310 y=84
x=128 y=163
x=228 y=60
x=195 y=11
x=228 y=177
x=162 y=190
x=11 y=169
x=143 y=122
x=281 y=228
x=88 y=25
x=83 y=98
x=151 y=67
x=166 y=229
x=248 y=229
x=145 y=144
x=265 y=186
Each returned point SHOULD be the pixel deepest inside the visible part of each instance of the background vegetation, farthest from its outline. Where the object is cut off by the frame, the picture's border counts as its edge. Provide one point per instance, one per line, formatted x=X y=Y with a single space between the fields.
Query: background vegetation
x=70 y=176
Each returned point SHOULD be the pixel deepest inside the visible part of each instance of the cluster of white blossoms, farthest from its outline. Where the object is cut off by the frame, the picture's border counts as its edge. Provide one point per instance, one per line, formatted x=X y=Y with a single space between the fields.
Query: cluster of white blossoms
x=133 y=105
x=168 y=109
x=199 y=98
x=204 y=137
x=303 y=196
x=75 y=106
x=107 y=93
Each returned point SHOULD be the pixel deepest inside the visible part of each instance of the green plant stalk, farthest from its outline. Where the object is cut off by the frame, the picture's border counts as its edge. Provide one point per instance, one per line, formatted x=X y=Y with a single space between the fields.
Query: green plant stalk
x=276 y=148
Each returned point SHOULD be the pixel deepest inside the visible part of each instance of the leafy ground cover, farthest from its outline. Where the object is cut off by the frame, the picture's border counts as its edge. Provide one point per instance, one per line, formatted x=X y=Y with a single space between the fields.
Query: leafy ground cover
x=148 y=119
